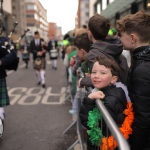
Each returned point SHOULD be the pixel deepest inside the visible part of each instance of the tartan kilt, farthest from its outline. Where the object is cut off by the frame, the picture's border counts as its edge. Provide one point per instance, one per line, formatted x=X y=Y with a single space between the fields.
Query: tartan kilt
x=39 y=63
x=4 y=98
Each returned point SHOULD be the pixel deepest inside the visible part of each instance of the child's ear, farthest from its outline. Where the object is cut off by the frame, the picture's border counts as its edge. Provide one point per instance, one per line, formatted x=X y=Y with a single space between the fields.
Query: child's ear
x=89 y=34
x=114 y=79
x=133 y=38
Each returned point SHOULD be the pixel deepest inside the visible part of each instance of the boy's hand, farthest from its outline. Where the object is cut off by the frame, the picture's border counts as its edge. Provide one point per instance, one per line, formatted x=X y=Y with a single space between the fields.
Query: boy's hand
x=39 y=53
x=96 y=95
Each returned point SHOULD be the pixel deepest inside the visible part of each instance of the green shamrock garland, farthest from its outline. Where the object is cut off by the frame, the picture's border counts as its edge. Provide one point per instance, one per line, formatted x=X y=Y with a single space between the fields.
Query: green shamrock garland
x=95 y=133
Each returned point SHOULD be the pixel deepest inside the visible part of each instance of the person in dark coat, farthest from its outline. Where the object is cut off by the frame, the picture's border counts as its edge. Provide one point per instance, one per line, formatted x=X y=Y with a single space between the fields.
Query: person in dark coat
x=104 y=75
x=5 y=60
x=134 y=33
x=53 y=51
x=39 y=61
x=102 y=46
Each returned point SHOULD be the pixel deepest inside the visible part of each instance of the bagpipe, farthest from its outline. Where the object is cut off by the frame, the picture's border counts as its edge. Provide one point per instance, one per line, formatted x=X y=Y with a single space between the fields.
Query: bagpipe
x=8 y=51
x=8 y=54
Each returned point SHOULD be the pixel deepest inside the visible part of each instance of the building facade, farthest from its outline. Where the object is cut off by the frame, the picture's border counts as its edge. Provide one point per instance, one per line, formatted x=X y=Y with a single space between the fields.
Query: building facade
x=115 y=9
x=82 y=14
x=6 y=11
x=36 y=18
x=18 y=16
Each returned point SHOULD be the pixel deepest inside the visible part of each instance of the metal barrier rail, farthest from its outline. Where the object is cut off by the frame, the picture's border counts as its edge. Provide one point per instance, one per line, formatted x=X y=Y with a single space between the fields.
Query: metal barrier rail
x=122 y=143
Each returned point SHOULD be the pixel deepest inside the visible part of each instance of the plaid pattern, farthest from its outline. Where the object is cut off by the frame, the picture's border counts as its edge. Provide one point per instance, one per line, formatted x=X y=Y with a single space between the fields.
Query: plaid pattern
x=42 y=65
x=4 y=98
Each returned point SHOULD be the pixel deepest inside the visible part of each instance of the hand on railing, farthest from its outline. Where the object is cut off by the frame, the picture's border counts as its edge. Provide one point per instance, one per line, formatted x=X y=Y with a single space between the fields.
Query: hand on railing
x=96 y=95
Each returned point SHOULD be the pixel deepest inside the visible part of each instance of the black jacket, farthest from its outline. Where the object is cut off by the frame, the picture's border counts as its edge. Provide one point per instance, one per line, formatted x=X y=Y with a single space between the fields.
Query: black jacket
x=114 y=101
x=139 y=86
x=35 y=49
x=6 y=60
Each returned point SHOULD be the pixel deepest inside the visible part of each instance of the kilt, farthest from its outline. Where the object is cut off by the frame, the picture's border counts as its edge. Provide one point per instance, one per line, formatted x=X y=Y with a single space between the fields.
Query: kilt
x=39 y=63
x=4 y=98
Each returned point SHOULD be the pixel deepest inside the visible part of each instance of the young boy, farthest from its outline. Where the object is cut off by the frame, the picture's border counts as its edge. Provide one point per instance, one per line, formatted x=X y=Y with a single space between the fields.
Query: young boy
x=134 y=32
x=98 y=27
x=104 y=75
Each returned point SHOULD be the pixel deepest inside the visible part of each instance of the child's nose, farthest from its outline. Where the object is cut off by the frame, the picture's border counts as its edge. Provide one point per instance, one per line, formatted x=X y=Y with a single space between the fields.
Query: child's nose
x=96 y=75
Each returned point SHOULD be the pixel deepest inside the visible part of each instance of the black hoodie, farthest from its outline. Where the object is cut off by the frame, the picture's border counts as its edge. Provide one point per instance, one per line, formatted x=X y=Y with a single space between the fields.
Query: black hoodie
x=111 y=48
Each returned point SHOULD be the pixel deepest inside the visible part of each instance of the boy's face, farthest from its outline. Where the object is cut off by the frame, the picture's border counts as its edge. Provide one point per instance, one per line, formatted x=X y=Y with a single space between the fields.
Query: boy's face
x=127 y=41
x=101 y=76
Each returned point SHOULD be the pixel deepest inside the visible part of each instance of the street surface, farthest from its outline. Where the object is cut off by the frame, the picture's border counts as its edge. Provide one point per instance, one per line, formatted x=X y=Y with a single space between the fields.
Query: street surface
x=37 y=117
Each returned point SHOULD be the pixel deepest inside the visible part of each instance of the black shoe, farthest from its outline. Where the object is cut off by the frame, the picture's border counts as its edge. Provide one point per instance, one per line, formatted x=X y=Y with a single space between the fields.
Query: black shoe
x=43 y=85
x=55 y=68
x=39 y=83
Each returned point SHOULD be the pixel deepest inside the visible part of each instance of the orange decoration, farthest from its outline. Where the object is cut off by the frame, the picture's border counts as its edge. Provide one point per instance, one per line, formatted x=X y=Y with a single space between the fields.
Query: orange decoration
x=126 y=130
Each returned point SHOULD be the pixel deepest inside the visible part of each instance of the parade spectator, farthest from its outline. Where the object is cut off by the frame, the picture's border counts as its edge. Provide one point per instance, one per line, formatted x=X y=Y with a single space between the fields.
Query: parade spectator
x=134 y=33
x=73 y=79
x=53 y=51
x=98 y=27
x=83 y=45
x=39 y=61
x=104 y=75
x=82 y=42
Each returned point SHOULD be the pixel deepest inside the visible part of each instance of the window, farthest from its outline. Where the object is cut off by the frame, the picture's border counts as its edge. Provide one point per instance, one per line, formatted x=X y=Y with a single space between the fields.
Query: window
x=104 y=4
x=110 y=1
x=87 y=13
x=30 y=15
x=28 y=0
x=98 y=8
x=31 y=7
x=30 y=24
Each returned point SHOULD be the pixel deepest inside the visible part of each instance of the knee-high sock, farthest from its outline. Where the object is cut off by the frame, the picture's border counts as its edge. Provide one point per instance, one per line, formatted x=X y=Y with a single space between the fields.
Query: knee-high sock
x=55 y=63
x=2 y=113
x=42 y=73
x=38 y=76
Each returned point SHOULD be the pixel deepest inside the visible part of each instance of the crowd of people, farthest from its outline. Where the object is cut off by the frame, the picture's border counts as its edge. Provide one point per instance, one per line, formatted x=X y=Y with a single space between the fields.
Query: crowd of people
x=121 y=85
x=98 y=51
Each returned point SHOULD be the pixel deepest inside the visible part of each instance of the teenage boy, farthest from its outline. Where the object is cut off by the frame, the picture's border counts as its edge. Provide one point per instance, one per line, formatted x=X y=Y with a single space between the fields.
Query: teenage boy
x=134 y=33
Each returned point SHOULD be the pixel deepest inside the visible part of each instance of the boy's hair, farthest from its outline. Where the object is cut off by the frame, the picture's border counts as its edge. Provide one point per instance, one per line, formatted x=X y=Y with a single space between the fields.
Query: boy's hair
x=138 y=23
x=108 y=63
x=82 y=41
x=99 y=26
